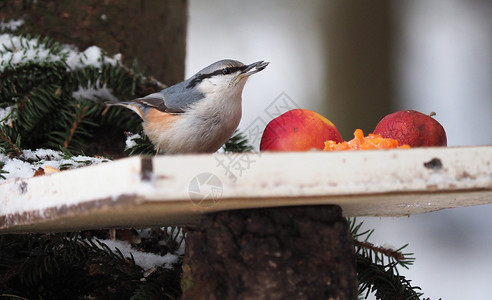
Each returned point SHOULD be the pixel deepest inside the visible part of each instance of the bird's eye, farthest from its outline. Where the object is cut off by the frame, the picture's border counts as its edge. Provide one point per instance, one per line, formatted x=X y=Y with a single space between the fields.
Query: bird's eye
x=226 y=71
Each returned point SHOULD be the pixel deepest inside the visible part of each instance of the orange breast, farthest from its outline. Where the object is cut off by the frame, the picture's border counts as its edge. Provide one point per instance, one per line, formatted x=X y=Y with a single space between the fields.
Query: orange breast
x=157 y=121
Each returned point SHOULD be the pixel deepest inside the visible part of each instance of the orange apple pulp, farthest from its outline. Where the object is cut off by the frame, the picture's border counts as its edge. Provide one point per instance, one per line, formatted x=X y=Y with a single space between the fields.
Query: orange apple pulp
x=359 y=142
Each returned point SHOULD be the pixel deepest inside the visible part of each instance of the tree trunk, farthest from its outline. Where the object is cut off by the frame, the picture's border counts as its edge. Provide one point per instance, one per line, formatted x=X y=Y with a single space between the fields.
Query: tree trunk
x=272 y=253
x=152 y=31
x=360 y=64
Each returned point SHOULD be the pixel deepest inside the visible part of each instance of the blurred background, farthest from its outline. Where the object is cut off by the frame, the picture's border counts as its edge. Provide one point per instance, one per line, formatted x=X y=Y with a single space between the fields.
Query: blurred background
x=354 y=62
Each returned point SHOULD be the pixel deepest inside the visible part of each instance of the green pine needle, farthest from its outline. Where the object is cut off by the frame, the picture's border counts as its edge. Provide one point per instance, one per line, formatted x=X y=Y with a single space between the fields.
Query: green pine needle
x=377 y=267
x=237 y=143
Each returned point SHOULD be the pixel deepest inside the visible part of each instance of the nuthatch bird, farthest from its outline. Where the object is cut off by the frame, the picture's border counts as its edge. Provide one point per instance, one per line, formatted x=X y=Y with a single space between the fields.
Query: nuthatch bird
x=199 y=114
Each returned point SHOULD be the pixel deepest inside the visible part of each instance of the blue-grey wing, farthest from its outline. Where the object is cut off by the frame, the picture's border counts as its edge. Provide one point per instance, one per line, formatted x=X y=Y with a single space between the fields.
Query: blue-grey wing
x=175 y=99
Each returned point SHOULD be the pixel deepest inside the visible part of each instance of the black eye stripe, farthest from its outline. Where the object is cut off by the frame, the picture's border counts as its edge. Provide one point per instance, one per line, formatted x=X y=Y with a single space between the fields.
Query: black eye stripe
x=222 y=71
x=235 y=69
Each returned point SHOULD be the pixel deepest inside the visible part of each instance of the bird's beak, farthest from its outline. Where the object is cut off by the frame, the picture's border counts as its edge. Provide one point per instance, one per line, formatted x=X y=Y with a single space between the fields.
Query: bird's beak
x=253 y=68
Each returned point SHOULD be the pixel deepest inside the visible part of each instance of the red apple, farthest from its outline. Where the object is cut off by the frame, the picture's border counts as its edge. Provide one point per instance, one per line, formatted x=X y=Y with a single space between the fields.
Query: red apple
x=298 y=130
x=412 y=128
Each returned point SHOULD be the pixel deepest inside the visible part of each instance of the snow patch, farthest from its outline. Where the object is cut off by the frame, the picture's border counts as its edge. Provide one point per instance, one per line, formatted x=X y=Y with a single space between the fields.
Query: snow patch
x=390 y=246
x=16 y=50
x=11 y=25
x=92 y=93
x=16 y=168
x=29 y=161
x=92 y=56
x=130 y=140
x=142 y=259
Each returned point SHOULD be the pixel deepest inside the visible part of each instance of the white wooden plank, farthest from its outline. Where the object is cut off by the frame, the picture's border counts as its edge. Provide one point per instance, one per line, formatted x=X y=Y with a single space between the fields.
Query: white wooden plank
x=156 y=191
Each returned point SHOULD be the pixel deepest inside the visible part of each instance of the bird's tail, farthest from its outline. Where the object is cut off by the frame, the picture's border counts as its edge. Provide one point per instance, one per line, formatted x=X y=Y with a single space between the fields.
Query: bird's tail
x=135 y=107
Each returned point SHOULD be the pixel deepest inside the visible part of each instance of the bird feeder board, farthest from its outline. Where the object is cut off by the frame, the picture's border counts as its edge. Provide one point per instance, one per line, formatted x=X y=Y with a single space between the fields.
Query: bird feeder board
x=165 y=190
x=181 y=189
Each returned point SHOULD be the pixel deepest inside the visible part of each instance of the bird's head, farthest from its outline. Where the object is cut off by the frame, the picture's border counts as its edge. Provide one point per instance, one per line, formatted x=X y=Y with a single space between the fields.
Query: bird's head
x=224 y=76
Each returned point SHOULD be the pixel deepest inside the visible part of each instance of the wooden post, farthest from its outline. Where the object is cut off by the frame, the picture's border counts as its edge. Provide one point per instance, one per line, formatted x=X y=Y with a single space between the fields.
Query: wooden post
x=271 y=253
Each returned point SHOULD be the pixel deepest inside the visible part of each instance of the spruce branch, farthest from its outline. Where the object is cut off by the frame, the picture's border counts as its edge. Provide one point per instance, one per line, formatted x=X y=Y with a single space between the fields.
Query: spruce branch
x=46 y=90
x=78 y=116
x=377 y=267
x=143 y=146
x=162 y=284
x=396 y=255
x=237 y=143
x=7 y=146
x=383 y=281
x=2 y=164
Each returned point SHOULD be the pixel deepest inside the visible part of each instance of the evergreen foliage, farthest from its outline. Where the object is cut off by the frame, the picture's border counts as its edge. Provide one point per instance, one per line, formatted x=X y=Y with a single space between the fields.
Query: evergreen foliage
x=68 y=266
x=237 y=143
x=162 y=284
x=377 y=268
x=143 y=146
x=2 y=171
x=48 y=97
